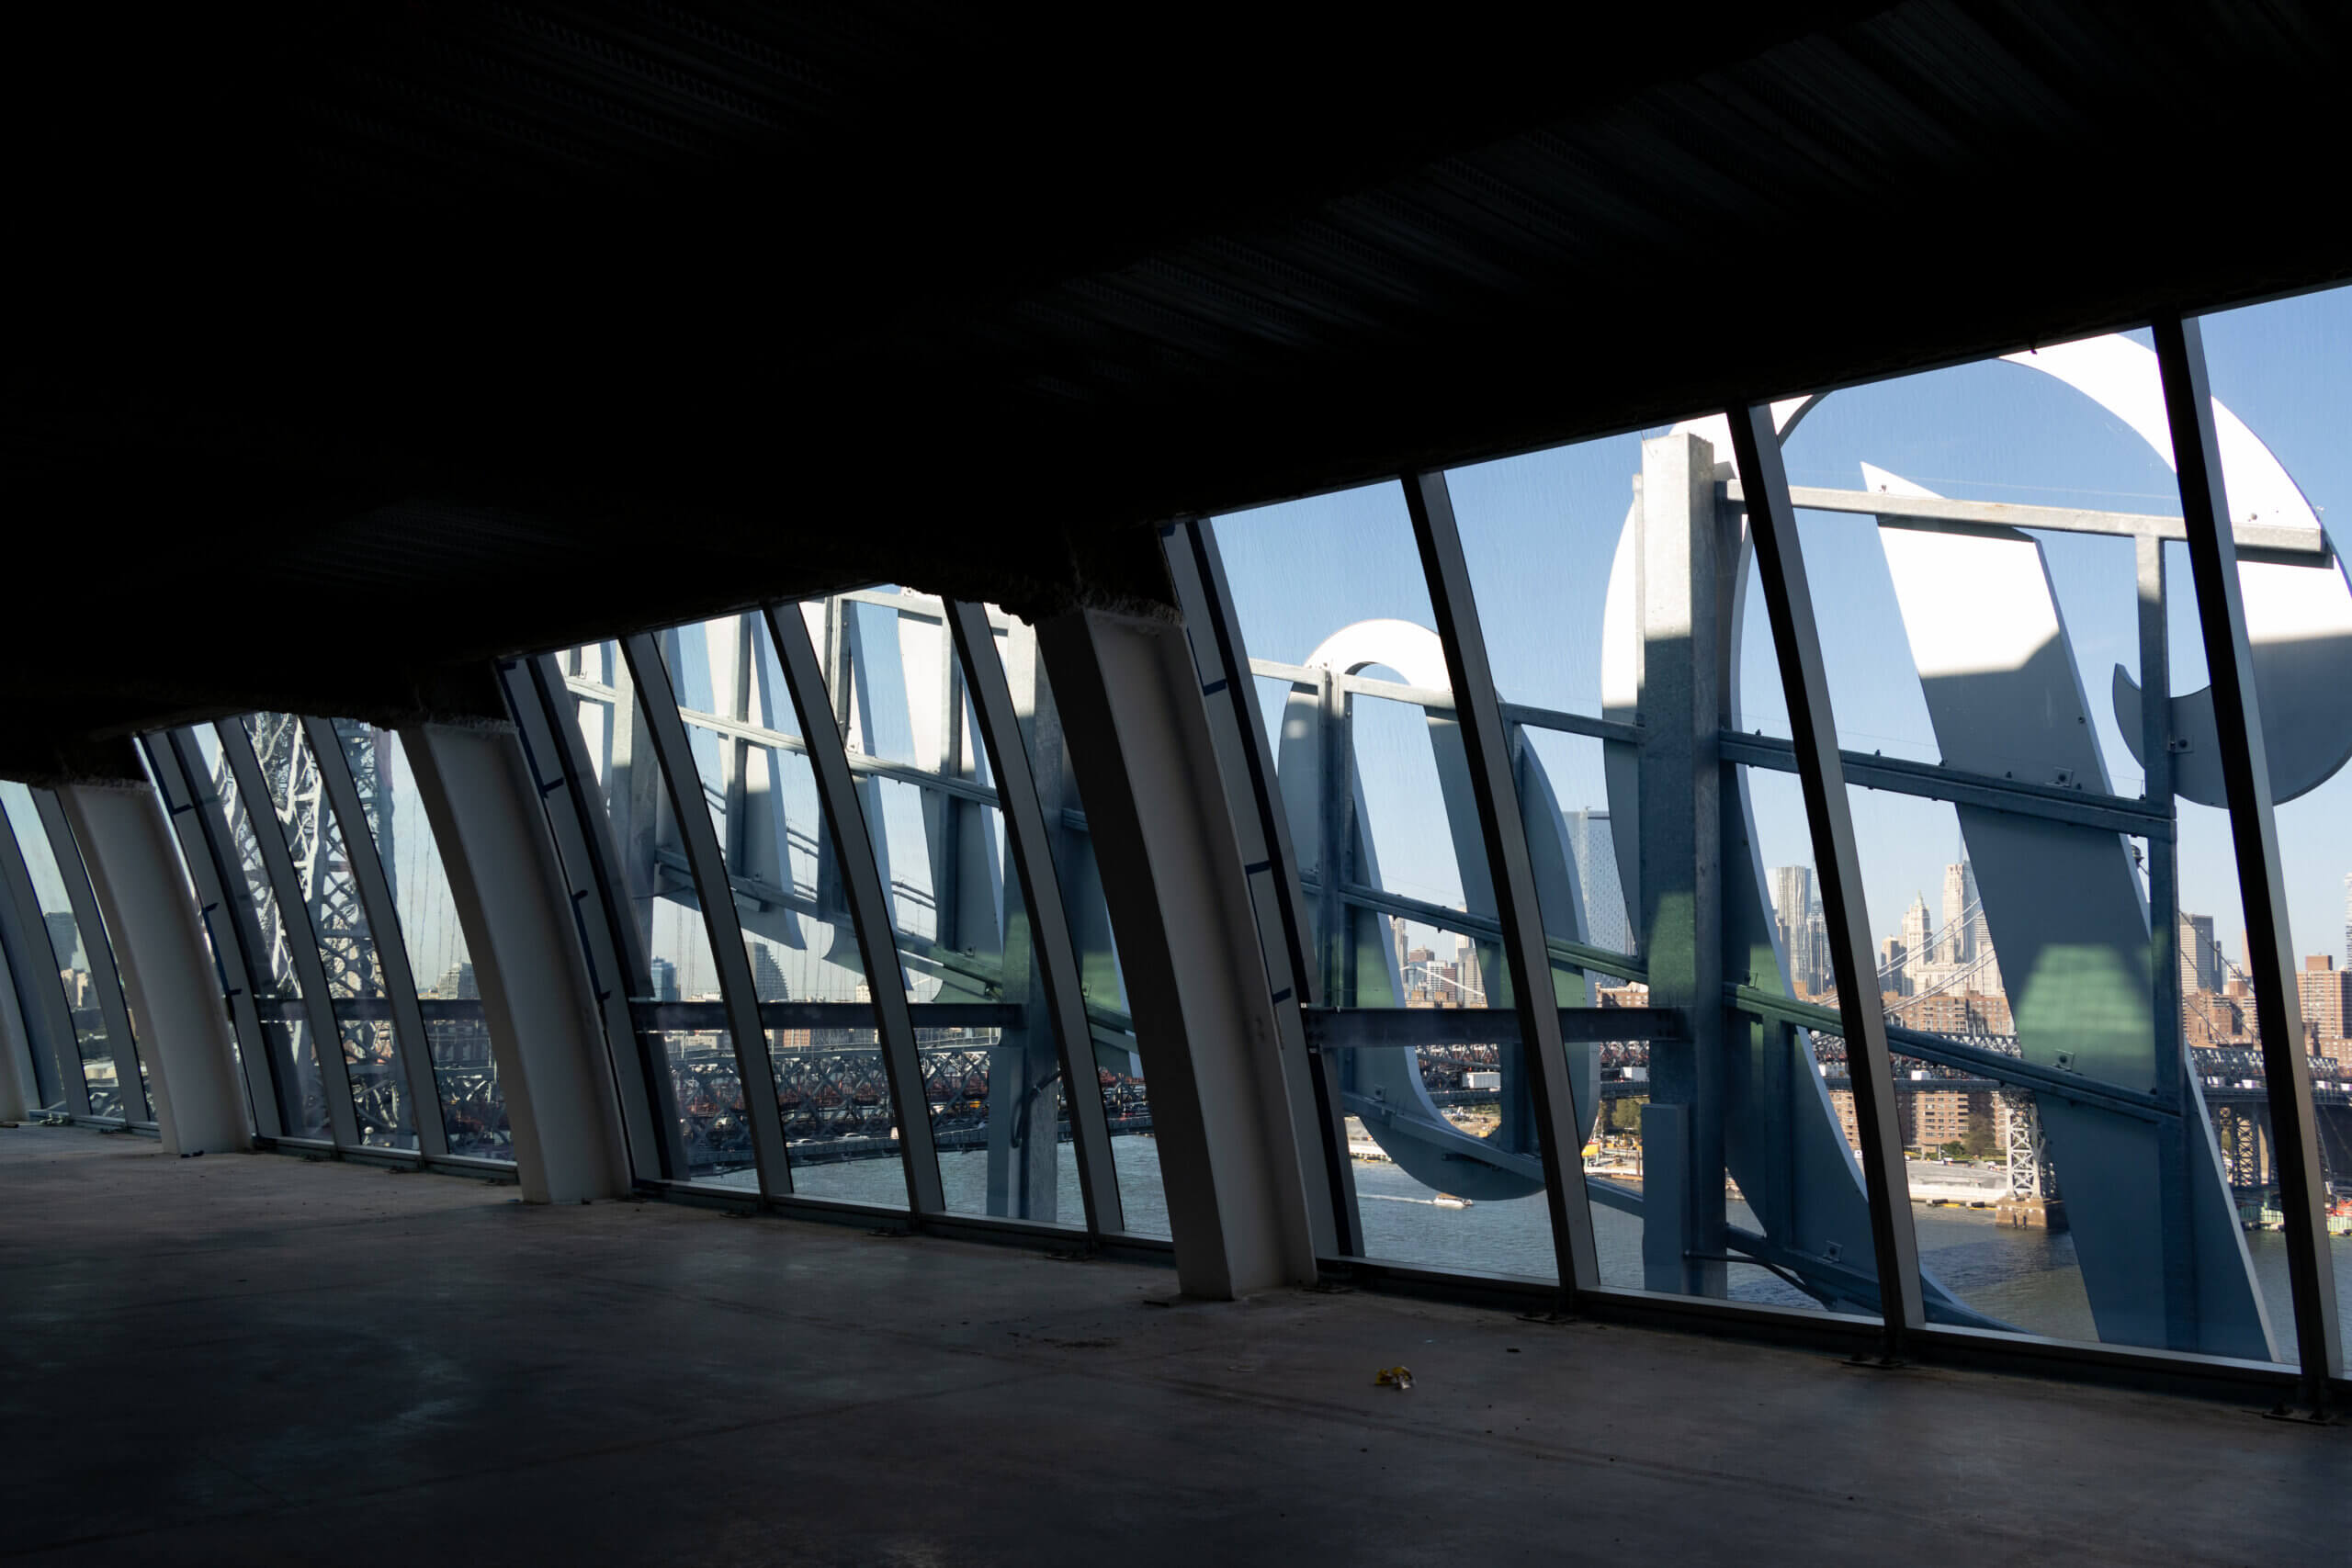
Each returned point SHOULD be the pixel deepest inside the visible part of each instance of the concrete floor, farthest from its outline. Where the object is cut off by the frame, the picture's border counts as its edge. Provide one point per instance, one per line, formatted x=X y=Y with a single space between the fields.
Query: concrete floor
x=242 y=1358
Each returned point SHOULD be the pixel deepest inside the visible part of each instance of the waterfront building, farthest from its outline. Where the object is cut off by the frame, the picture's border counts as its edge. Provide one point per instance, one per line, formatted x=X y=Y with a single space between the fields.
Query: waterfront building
x=2327 y=999
x=1953 y=1011
x=1928 y=1116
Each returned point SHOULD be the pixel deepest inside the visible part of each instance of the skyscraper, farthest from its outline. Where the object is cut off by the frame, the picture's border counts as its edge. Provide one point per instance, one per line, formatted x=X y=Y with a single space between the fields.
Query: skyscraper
x=2200 y=964
x=767 y=975
x=1606 y=922
x=1967 y=938
x=1465 y=970
x=1916 y=954
x=1791 y=890
x=1819 y=964
x=2347 y=919
x=1890 y=963
x=1953 y=947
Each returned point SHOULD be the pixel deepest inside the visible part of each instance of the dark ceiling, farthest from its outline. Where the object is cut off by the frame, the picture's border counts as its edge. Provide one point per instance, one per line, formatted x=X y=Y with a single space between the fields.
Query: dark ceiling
x=350 y=350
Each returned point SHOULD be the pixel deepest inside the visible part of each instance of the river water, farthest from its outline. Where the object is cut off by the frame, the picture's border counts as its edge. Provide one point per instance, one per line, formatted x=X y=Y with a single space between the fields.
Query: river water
x=2026 y=1278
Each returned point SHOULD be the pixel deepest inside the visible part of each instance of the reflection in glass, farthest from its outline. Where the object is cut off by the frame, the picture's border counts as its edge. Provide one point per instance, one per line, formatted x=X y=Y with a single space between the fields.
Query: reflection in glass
x=465 y=1074
x=187 y=882
x=379 y=1091
x=99 y=1071
x=1118 y=1069
x=832 y=1092
x=673 y=988
x=990 y=1056
x=268 y=939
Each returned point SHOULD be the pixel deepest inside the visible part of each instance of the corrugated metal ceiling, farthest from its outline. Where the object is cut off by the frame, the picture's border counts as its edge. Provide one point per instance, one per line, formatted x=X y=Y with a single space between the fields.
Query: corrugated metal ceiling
x=459 y=329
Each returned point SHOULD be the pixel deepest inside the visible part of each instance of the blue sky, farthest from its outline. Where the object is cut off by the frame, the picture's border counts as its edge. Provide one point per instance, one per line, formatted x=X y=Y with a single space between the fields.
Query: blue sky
x=1540 y=531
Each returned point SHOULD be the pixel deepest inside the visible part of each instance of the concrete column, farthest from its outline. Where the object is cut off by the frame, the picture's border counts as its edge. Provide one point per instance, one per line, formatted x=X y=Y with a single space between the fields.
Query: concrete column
x=553 y=1066
x=168 y=980
x=1140 y=743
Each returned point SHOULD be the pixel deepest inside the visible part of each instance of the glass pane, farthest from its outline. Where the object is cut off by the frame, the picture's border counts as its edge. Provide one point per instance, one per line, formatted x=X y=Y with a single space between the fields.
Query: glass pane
x=1375 y=784
x=267 y=938
x=1118 y=1068
x=378 y=1090
x=673 y=986
x=346 y=947
x=990 y=1053
x=99 y=1072
x=1540 y=533
x=2013 y=943
x=1614 y=582
x=314 y=838
x=147 y=764
x=294 y=1058
x=841 y=1122
x=2281 y=369
x=465 y=1074
x=2049 y=429
x=1992 y=1234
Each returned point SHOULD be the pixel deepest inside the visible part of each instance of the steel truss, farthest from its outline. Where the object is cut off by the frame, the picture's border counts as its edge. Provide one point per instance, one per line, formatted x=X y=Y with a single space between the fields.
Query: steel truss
x=1338 y=876
x=710 y=722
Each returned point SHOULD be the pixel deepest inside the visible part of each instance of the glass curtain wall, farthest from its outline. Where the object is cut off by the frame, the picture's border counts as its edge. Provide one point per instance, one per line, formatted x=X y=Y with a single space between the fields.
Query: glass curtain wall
x=268 y=935
x=2284 y=369
x=1613 y=581
x=112 y=1075
x=2073 y=1077
x=465 y=1073
x=673 y=979
x=147 y=765
x=903 y=733
x=841 y=1121
x=1375 y=782
x=1118 y=1068
x=301 y=927
x=2018 y=507
x=346 y=947
x=991 y=1061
